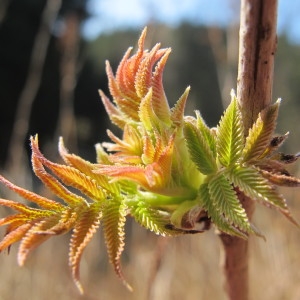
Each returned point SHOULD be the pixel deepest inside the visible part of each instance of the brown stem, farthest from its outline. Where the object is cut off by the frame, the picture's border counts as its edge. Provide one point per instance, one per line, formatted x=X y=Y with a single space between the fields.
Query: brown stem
x=257 y=48
x=254 y=92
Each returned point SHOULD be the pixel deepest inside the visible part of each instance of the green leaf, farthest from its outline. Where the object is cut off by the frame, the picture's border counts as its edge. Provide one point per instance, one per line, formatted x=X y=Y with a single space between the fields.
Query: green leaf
x=230 y=135
x=177 y=112
x=214 y=213
x=255 y=186
x=260 y=135
x=149 y=119
x=207 y=133
x=114 y=217
x=226 y=202
x=152 y=219
x=199 y=149
x=251 y=182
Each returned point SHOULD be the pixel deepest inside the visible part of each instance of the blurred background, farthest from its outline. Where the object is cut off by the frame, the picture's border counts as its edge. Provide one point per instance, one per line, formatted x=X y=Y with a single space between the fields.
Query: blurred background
x=52 y=55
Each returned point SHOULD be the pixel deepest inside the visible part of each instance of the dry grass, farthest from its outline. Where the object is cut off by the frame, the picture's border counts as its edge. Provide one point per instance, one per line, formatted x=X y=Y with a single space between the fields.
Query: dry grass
x=186 y=267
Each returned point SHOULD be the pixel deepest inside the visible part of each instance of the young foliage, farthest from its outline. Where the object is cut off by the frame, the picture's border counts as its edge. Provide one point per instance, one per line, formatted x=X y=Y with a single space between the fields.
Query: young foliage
x=230 y=135
x=199 y=149
x=261 y=133
x=172 y=173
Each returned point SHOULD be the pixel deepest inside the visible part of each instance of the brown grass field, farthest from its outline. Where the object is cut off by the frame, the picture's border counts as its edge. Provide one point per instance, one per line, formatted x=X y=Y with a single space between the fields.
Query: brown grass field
x=186 y=267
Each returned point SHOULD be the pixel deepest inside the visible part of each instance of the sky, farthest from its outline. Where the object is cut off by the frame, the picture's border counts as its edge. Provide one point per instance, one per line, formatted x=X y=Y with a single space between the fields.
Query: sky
x=110 y=15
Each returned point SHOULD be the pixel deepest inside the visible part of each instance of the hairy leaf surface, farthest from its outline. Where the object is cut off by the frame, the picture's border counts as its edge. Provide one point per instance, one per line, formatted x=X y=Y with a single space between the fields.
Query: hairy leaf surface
x=230 y=135
x=226 y=202
x=255 y=186
x=152 y=219
x=114 y=217
x=260 y=134
x=84 y=229
x=214 y=213
x=207 y=133
x=199 y=149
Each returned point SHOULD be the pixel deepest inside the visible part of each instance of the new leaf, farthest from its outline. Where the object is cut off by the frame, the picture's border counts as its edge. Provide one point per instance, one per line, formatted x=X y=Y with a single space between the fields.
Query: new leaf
x=230 y=135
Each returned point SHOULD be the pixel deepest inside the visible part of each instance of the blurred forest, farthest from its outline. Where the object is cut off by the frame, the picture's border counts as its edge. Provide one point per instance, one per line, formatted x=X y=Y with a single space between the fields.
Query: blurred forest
x=49 y=81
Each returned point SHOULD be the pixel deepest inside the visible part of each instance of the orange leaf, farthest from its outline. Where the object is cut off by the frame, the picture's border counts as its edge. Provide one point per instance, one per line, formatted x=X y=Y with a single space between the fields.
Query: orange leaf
x=56 y=224
x=39 y=200
x=52 y=183
x=84 y=230
x=14 y=236
x=114 y=217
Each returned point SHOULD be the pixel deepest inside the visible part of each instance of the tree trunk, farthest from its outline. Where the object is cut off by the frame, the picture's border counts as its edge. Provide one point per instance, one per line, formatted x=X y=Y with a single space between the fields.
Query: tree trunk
x=254 y=92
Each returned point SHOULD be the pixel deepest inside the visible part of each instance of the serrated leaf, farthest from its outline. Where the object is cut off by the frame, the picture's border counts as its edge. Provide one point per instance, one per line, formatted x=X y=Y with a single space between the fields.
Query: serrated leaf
x=50 y=181
x=144 y=75
x=114 y=217
x=206 y=132
x=13 y=236
x=260 y=134
x=88 y=168
x=199 y=149
x=213 y=212
x=281 y=179
x=226 y=202
x=41 y=231
x=83 y=232
x=71 y=176
x=30 y=196
x=230 y=135
x=251 y=182
x=152 y=219
x=147 y=115
x=160 y=103
x=271 y=165
x=113 y=112
x=30 y=212
x=177 y=112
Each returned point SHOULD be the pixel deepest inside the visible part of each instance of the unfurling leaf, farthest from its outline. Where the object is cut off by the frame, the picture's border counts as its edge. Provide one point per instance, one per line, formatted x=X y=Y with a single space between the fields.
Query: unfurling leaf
x=214 y=213
x=84 y=229
x=114 y=217
x=258 y=141
x=252 y=184
x=153 y=219
x=207 y=133
x=199 y=149
x=281 y=179
x=225 y=199
x=170 y=172
x=230 y=135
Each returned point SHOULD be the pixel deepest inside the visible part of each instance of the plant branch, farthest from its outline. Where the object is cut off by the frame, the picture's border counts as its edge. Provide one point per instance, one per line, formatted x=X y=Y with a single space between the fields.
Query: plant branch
x=257 y=47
